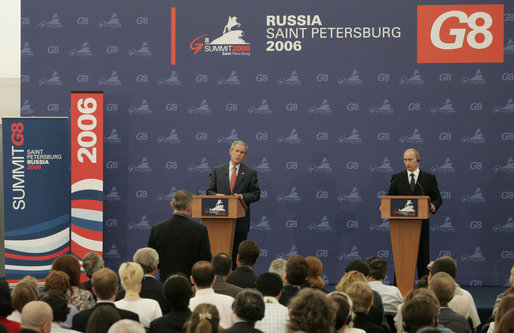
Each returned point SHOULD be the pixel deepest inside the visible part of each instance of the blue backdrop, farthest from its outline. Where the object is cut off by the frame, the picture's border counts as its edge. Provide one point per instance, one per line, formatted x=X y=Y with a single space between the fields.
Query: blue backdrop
x=326 y=113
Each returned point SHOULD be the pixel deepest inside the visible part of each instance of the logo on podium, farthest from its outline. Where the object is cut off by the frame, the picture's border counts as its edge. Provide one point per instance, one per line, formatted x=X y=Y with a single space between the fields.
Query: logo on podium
x=404 y=207
x=214 y=207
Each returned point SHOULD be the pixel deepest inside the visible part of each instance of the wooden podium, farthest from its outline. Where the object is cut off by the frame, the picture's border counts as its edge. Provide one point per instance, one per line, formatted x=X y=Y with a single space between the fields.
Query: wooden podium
x=405 y=233
x=219 y=215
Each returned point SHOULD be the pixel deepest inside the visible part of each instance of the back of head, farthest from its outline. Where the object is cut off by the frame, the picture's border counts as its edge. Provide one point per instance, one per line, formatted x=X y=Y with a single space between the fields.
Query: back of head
x=361 y=295
x=148 y=258
x=204 y=319
x=5 y=299
x=278 y=266
x=177 y=291
x=506 y=304
x=314 y=276
x=222 y=263
x=91 y=262
x=105 y=283
x=506 y=324
x=70 y=265
x=444 y=264
x=248 y=252
x=57 y=280
x=249 y=305
x=443 y=286
x=101 y=319
x=296 y=270
x=377 y=269
x=126 y=326
x=181 y=200
x=357 y=265
x=131 y=275
x=58 y=302
x=36 y=316
x=203 y=274
x=348 y=279
x=311 y=311
x=419 y=312
x=25 y=291
x=344 y=308
x=269 y=284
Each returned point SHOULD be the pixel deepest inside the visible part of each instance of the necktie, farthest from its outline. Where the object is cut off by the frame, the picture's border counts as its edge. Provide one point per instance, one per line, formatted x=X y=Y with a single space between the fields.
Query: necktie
x=412 y=182
x=233 y=179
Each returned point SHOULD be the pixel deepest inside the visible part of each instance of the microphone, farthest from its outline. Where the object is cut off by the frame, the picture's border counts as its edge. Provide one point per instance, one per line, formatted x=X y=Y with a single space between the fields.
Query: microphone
x=390 y=184
x=419 y=183
x=202 y=183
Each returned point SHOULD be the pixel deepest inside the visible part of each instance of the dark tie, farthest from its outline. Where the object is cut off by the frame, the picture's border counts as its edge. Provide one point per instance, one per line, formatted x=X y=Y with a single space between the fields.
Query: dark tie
x=412 y=182
x=233 y=180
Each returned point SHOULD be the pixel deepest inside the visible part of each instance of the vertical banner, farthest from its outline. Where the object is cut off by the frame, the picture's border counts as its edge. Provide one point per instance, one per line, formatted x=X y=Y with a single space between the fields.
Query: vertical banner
x=86 y=172
x=36 y=194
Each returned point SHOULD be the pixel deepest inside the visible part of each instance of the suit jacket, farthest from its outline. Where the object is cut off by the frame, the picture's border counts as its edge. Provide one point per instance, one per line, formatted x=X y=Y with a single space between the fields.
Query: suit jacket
x=241 y=327
x=173 y=322
x=180 y=242
x=289 y=291
x=243 y=276
x=223 y=287
x=151 y=288
x=363 y=322
x=246 y=184
x=426 y=184
x=81 y=318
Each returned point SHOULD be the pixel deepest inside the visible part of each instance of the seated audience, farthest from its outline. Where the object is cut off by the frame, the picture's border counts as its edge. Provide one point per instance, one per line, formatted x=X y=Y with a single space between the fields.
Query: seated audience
x=204 y=319
x=6 y=308
x=278 y=266
x=131 y=276
x=36 y=316
x=344 y=313
x=203 y=277
x=78 y=296
x=419 y=311
x=91 y=262
x=314 y=279
x=275 y=314
x=59 y=303
x=222 y=263
x=506 y=305
x=423 y=292
x=499 y=297
x=105 y=287
x=391 y=295
x=243 y=276
x=25 y=291
x=248 y=309
x=177 y=291
x=58 y=280
x=506 y=324
x=362 y=297
x=126 y=326
x=297 y=269
x=102 y=318
x=311 y=311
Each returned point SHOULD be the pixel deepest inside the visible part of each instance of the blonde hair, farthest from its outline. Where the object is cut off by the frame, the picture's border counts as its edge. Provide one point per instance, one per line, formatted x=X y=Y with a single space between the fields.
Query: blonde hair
x=361 y=295
x=131 y=275
x=348 y=279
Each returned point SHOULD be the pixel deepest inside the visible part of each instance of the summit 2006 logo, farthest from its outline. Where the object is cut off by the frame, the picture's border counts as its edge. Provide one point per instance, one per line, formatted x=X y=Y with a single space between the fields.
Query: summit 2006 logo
x=231 y=41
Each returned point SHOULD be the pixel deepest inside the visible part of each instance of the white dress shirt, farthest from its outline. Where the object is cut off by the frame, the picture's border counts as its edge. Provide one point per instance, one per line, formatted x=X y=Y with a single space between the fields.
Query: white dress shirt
x=222 y=302
x=391 y=296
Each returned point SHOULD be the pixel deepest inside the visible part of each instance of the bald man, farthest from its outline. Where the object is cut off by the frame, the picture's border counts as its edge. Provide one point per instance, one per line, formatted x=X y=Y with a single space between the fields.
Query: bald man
x=36 y=316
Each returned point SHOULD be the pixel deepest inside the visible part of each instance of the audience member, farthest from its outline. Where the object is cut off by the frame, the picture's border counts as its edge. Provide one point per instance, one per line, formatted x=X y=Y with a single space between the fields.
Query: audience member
x=25 y=291
x=203 y=277
x=131 y=276
x=506 y=305
x=58 y=280
x=248 y=309
x=36 y=316
x=344 y=313
x=391 y=295
x=418 y=312
x=423 y=283
x=78 y=296
x=499 y=297
x=177 y=291
x=275 y=314
x=91 y=262
x=243 y=276
x=311 y=311
x=105 y=287
x=506 y=324
x=296 y=272
x=443 y=286
x=59 y=303
x=102 y=319
x=314 y=279
x=421 y=292
x=362 y=296
x=6 y=308
x=126 y=326
x=148 y=258
x=222 y=263
x=278 y=266
x=204 y=319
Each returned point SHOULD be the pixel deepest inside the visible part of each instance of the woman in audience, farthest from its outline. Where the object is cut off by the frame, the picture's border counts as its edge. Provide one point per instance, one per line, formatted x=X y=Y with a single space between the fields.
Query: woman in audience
x=344 y=313
x=204 y=319
x=59 y=303
x=311 y=311
x=506 y=304
x=6 y=308
x=102 y=319
x=362 y=298
x=314 y=278
x=506 y=325
x=349 y=278
x=26 y=290
x=131 y=277
x=58 y=280
x=78 y=296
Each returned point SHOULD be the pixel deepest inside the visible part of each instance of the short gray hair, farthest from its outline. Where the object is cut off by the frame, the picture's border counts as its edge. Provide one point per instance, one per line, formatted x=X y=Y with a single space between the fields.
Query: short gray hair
x=182 y=199
x=92 y=262
x=239 y=142
x=278 y=266
x=148 y=258
x=126 y=326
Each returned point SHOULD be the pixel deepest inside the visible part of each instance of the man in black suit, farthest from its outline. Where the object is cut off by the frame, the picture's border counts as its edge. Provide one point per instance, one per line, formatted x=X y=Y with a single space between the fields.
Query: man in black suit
x=248 y=309
x=148 y=258
x=180 y=241
x=235 y=178
x=414 y=181
x=297 y=269
x=243 y=276
x=223 y=268
x=105 y=287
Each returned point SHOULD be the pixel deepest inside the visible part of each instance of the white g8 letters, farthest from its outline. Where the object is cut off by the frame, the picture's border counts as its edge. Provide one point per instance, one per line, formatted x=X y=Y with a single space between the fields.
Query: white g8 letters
x=435 y=33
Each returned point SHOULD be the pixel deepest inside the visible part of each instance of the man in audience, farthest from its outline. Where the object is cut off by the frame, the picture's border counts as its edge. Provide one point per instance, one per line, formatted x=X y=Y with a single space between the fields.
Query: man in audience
x=36 y=316
x=462 y=301
x=248 y=309
x=391 y=295
x=203 y=277
x=297 y=269
x=362 y=296
x=243 y=276
x=126 y=326
x=420 y=311
x=443 y=286
x=223 y=268
x=179 y=240
x=278 y=266
x=275 y=314
x=105 y=287
x=91 y=262
x=148 y=258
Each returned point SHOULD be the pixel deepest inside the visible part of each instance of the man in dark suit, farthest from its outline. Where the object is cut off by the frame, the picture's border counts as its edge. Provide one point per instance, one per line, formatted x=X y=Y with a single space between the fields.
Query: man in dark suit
x=243 y=276
x=180 y=241
x=223 y=268
x=235 y=178
x=248 y=309
x=414 y=181
x=148 y=258
x=297 y=269
x=105 y=287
